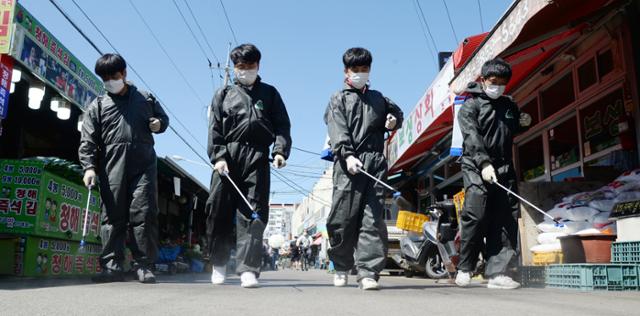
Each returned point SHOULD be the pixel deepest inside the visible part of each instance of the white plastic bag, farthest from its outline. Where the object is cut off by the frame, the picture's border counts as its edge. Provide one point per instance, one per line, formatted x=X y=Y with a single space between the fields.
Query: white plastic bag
x=547 y=247
x=603 y=205
x=576 y=214
x=633 y=175
x=550 y=238
x=628 y=196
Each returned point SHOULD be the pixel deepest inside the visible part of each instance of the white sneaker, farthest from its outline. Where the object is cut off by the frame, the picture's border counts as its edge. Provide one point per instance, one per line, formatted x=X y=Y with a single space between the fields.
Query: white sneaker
x=463 y=279
x=503 y=282
x=249 y=280
x=340 y=279
x=219 y=275
x=369 y=284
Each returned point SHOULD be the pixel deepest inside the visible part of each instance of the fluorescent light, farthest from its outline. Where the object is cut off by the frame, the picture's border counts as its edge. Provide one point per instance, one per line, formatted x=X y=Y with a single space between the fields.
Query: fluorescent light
x=16 y=75
x=80 y=120
x=13 y=87
x=64 y=110
x=36 y=93
x=55 y=103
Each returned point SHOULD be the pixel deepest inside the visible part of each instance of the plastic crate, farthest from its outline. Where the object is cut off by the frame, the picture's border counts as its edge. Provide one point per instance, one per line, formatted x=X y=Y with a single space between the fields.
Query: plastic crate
x=625 y=252
x=411 y=221
x=589 y=277
x=547 y=258
x=532 y=276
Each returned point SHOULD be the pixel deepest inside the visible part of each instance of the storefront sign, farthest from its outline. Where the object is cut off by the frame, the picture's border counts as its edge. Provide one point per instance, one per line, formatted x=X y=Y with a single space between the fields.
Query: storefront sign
x=7 y=8
x=35 y=202
x=6 y=69
x=501 y=38
x=53 y=257
x=434 y=102
x=43 y=54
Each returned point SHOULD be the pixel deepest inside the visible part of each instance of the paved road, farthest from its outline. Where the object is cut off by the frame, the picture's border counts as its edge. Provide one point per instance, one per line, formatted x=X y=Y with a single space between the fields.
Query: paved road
x=299 y=293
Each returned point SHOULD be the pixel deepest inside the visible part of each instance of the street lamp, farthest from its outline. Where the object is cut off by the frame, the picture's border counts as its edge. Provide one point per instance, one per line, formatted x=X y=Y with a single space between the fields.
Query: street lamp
x=180 y=158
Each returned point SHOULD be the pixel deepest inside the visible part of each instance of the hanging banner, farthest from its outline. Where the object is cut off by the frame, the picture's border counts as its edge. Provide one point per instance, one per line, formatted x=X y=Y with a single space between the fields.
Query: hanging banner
x=6 y=69
x=37 y=49
x=45 y=257
x=456 y=141
x=499 y=40
x=7 y=8
x=433 y=103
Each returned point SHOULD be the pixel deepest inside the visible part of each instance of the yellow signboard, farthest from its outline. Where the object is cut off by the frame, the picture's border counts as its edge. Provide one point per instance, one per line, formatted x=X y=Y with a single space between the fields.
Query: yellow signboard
x=6 y=24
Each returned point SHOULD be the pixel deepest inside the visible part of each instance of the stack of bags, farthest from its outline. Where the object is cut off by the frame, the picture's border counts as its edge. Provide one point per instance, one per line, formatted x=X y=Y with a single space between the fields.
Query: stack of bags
x=587 y=212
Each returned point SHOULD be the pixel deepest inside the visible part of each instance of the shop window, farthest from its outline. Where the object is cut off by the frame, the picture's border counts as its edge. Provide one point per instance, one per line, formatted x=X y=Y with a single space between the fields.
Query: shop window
x=531 y=159
x=531 y=108
x=587 y=75
x=563 y=144
x=557 y=96
x=602 y=123
x=565 y=175
x=605 y=63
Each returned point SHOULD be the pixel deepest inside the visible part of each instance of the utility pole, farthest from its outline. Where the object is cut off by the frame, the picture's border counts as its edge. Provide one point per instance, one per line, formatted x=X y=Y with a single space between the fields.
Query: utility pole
x=227 y=68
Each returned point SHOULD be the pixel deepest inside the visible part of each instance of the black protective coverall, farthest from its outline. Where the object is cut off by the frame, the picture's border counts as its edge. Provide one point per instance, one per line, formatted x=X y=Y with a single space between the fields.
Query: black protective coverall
x=116 y=141
x=488 y=127
x=243 y=123
x=356 y=123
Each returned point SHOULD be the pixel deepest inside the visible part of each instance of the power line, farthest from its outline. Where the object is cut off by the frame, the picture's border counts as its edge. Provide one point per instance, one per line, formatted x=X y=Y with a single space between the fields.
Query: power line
x=229 y=22
x=202 y=33
x=446 y=8
x=300 y=189
x=130 y=66
x=480 y=13
x=100 y=52
x=306 y=151
x=424 y=33
x=186 y=81
x=184 y=19
x=426 y=24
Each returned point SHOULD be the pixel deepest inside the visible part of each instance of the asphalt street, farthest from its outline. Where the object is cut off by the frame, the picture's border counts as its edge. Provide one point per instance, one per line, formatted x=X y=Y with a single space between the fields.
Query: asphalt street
x=299 y=293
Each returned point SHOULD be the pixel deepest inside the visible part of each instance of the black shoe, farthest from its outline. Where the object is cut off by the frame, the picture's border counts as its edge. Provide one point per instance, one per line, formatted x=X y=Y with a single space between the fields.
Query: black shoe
x=108 y=276
x=145 y=275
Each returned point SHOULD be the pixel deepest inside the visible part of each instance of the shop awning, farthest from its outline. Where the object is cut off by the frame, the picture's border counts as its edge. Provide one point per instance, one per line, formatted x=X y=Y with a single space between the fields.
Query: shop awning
x=526 y=24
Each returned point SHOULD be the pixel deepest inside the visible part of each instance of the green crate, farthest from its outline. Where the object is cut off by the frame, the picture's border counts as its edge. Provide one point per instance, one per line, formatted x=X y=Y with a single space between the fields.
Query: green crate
x=625 y=252
x=589 y=277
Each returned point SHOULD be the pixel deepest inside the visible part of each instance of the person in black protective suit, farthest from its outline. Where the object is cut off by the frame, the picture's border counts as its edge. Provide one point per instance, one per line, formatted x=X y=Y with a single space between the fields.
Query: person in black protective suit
x=245 y=119
x=116 y=146
x=357 y=119
x=488 y=121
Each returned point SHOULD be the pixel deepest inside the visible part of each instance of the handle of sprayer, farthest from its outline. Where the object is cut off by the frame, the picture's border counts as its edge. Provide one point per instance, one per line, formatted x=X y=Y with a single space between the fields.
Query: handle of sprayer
x=527 y=202
x=86 y=215
x=254 y=214
x=396 y=193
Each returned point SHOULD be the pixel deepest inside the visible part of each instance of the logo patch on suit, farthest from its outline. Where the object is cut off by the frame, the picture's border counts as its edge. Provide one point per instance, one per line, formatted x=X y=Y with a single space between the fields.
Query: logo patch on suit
x=259 y=105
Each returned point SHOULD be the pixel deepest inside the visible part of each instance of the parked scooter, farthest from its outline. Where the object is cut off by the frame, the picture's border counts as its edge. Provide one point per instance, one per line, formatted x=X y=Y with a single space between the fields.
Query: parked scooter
x=434 y=251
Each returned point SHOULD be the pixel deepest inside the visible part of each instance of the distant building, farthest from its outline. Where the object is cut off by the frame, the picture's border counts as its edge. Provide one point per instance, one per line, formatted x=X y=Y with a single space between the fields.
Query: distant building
x=280 y=220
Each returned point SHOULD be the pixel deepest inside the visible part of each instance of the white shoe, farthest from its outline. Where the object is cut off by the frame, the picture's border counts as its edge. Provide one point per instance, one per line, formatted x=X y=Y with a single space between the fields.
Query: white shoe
x=219 y=275
x=249 y=280
x=369 y=284
x=340 y=279
x=503 y=282
x=463 y=279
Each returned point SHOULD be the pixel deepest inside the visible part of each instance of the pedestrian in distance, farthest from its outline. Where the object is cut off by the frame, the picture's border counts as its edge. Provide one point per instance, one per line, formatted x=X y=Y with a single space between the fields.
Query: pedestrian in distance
x=357 y=118
x=117 y=148
x=489 y=120
x=245 y=119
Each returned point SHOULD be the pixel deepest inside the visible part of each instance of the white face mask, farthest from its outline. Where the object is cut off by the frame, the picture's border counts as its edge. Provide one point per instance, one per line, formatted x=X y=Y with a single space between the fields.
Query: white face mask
x=494 y=91
x=358 y=79
x=114 y=86
x=246 y=77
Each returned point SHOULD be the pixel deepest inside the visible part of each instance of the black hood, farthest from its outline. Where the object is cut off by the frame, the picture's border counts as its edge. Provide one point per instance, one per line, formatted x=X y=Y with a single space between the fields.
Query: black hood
x=474 y=88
